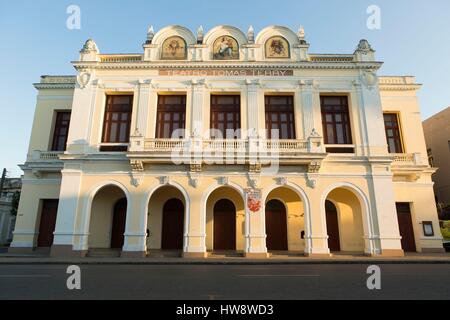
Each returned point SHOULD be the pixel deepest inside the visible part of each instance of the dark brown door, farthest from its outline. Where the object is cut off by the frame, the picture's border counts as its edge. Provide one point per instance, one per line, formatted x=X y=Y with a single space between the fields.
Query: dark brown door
x=224 y=225
x=406 y=227
x=332 y=227
x=173 y=225
x=48 y=223
x=276 y=226
x=118 y=226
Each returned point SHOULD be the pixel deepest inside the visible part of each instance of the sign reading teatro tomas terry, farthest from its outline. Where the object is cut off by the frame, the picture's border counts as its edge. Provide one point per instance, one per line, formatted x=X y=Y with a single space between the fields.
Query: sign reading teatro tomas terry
x=228 y=72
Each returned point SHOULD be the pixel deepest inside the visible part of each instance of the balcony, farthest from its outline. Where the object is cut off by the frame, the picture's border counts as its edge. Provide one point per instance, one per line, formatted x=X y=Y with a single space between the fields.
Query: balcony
x=407 y=159
x=219 y=151
x=40 y=162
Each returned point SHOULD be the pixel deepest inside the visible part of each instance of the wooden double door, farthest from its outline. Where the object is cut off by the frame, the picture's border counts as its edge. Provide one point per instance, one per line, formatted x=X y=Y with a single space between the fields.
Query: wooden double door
x=48 y=223
x=224 y=225
x=331 y=212
x=276 y=226
x=172 y=225
x=406 y=227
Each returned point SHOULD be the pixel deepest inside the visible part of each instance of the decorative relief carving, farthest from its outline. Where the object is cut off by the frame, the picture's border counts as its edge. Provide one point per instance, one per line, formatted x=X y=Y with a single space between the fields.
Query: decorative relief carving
x=164 y=180
x=137 y=166
x=311 y=181
x=223 y=181
x=314 y=166
x=254 y=167
x=83 y=79
x=281 y=181
x=369 y=78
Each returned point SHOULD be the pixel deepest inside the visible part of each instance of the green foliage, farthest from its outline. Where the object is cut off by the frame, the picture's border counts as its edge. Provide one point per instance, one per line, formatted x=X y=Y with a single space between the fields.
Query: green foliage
x=15 y=203
x=446 y=230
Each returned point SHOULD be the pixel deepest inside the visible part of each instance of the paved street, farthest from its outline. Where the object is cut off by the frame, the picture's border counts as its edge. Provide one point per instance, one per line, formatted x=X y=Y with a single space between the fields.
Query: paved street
x=403 y=281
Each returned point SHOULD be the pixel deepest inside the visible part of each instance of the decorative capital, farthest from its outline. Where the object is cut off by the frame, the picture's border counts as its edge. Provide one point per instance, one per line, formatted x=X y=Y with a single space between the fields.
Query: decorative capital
x=195 y=167
x=314 y=166
x=137 y=166
x=255 y=167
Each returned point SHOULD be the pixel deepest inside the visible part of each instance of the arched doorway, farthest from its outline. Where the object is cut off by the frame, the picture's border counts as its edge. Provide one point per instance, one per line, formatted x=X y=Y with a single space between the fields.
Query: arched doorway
x=166 y=219
x=276 y=226
x=118 y=224
x=284 y=220
x=108 y=218
x=334 y=244
x=224 y=225
x=344 y=219
x=172 y=225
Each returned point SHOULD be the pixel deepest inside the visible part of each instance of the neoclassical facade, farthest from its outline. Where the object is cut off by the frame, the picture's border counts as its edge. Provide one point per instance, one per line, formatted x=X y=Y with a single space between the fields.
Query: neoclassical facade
x=227 y=141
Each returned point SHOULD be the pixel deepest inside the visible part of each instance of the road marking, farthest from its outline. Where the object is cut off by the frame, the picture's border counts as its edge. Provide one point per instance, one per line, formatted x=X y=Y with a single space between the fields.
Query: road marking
x=25 y=276
x=280 y=275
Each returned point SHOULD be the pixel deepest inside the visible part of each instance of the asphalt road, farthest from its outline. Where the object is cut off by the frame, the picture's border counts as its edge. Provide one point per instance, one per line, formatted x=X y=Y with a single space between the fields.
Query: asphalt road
x=221 y=282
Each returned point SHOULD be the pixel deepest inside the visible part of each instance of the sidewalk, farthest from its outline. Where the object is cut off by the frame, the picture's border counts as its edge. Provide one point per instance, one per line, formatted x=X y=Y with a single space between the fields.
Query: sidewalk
x=40 y=259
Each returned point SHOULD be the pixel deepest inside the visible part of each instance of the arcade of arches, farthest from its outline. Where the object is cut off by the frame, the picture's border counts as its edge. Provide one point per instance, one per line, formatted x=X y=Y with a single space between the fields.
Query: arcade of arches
x=284 y=220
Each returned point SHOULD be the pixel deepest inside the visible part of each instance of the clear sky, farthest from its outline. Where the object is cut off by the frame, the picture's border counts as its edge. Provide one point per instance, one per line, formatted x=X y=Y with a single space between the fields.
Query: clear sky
x=414 y=39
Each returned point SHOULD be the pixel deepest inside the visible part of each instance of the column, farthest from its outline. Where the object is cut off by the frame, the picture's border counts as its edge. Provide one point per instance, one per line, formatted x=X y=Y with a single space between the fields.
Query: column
x=135 y=241
x=197 y=112
x=253 y=110
x=69 y=205
x=255 y=233
x=143 y=107
x=371 y=115
x=385 y=238
x=140 y=117
x=307 y=105
x=83 y=107
x=195 y=226
x=316 y=236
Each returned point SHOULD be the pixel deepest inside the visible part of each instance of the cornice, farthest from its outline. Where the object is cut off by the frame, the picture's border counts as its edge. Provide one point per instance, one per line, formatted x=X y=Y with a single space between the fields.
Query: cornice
x=40 y=86
x=82 y=65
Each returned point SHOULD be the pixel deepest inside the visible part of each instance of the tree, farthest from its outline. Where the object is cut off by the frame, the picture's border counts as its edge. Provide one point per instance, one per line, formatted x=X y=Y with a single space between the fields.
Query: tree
x=15 y=203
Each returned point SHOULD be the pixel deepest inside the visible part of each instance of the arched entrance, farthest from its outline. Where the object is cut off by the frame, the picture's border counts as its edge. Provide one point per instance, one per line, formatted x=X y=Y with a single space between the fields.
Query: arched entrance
x=285 y=220
x=118 y=225
x=108 y=218
x=334 y=243
x=276 y=226
x=344 y=218
x=172 y=225
x=225 y=220
x=224 y=225
x=166 y=219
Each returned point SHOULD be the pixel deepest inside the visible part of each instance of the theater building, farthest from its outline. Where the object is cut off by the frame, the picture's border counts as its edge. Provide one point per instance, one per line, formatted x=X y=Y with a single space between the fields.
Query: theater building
x=227 y=141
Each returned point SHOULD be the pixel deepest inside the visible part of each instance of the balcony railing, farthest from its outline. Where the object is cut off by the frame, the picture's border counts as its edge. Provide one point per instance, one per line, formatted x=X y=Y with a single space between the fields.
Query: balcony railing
x=46 y=155
x=311 y=145
x=402 y=159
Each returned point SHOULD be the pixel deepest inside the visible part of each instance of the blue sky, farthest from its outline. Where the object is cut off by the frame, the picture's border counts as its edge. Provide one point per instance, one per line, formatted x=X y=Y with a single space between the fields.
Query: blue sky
x=413 y=40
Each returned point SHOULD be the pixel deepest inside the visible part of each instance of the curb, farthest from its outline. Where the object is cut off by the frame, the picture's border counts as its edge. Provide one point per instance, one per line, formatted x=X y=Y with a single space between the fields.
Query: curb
x=222 y=262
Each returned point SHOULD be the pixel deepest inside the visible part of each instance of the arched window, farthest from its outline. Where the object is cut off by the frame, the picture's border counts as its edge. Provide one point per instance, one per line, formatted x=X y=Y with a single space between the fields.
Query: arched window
x=226 y=48
x=174 y=48
x=277 y=47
